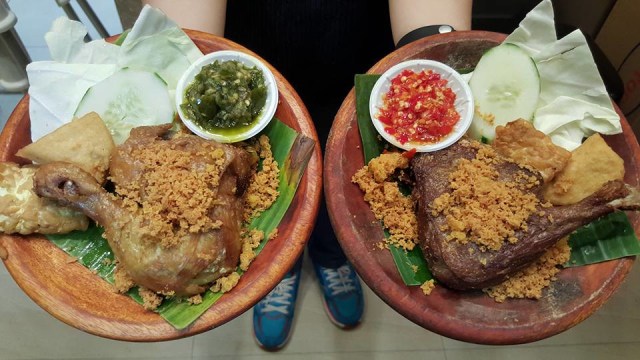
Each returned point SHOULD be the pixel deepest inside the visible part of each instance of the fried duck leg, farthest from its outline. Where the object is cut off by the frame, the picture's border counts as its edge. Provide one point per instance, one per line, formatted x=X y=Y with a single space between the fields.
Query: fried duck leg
x=465 y=266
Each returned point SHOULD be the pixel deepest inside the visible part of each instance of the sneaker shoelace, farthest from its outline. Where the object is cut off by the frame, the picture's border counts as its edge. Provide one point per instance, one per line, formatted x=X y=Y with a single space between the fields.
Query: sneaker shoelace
x=339 y=280
x=279 y=298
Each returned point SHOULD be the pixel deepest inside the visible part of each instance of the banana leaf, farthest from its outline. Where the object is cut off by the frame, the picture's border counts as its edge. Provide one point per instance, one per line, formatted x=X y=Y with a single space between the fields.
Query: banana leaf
x=608 y=238
x=372 y=146
x=411 y=264
x=291 y=151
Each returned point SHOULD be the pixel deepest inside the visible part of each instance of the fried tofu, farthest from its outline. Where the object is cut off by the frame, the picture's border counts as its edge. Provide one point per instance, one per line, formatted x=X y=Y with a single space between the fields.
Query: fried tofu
x=592 y=165
x=85 y=142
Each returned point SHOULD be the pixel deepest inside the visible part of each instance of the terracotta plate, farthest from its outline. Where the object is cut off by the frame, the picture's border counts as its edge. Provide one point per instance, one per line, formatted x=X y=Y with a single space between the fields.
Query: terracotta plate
x=466 y=316
x=74 y=295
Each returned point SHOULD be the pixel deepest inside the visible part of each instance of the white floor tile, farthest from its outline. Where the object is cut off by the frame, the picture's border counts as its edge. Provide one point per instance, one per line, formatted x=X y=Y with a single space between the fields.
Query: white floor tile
x=618 y=320
x=378 y=355
x=382 y=330
x=610 y=351
x=28 y=332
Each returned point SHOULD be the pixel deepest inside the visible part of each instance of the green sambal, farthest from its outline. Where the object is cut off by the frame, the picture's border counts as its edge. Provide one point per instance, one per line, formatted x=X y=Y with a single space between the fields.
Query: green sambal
x=225 y=95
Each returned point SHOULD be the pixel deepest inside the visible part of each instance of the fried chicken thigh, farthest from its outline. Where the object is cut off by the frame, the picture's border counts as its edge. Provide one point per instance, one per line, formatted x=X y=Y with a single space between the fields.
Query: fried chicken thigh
x=174 y=223
x=468 y=265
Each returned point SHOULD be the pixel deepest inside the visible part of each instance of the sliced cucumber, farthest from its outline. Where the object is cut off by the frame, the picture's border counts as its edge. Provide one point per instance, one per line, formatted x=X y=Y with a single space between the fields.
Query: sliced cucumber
x=127 y=99
x=505 y=87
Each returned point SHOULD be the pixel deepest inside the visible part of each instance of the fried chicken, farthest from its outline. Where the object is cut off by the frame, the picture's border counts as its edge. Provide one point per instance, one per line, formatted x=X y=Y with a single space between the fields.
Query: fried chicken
x=174 y=223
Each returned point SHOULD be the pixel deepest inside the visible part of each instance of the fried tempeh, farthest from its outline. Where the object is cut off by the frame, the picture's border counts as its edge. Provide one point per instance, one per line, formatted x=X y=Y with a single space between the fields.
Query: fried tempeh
x=522 y=143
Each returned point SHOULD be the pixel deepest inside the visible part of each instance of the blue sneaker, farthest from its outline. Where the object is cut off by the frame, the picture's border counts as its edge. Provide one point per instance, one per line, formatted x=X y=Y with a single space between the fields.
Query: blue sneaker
x=273 y=315
x=343 y=299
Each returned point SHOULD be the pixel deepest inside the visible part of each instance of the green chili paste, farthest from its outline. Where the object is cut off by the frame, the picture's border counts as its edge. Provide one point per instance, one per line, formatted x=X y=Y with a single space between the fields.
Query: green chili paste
x=225 y=95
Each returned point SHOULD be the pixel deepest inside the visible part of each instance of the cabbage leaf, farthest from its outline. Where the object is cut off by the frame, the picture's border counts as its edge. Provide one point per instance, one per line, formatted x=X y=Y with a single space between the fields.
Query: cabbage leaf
x=574 y=102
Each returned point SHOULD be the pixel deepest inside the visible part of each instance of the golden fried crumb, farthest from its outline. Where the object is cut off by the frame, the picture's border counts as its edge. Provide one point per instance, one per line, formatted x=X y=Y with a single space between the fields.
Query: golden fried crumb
x=177 y=196
x=385 y=165
x=107 y=261
x=246 y=257
x=254 y=236
x=250 y=241
x=150 y=300
x=530 y=282
x=273 y=234
x=488 y=117
x=388 y=204
x=428 y=287
x=485 y=210
x=263 y=186
x=224 y=284
x=122 y=282
x=195 y=299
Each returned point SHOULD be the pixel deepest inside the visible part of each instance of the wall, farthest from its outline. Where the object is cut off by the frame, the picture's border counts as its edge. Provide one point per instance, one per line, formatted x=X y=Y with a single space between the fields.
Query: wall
x=619 y=39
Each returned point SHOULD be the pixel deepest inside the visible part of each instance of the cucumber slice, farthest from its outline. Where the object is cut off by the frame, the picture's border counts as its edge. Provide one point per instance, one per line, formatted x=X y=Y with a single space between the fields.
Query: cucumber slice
x=127 y=99
x=505 y=87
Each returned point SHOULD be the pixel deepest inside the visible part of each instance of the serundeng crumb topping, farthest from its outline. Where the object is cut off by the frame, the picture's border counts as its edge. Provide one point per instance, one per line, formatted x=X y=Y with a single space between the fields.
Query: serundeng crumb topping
x=486 y=211
x=388 y=204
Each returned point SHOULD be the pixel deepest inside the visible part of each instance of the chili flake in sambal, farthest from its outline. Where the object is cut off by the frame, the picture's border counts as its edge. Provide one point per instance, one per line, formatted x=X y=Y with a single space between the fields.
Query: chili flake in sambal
x=419 y=108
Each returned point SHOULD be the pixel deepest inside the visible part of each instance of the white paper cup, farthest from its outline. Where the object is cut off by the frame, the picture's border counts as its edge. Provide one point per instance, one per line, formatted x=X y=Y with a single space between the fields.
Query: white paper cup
x=463 y=104
x=265 y=115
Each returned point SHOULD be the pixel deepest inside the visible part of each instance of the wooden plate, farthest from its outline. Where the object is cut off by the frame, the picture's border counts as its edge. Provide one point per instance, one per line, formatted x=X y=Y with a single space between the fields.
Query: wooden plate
x=81 y=299
x=466 y=316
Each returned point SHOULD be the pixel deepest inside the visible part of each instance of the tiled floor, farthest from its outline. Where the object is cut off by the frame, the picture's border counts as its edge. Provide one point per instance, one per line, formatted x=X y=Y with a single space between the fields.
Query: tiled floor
x=28 y=332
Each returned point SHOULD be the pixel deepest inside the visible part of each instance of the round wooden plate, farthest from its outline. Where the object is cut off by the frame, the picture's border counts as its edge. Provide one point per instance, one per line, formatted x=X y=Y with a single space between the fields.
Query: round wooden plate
x=466 y=316
x=81 y=299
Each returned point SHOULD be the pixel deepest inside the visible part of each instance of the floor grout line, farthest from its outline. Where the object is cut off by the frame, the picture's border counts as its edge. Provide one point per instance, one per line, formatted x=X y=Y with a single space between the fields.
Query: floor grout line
x=444 y=347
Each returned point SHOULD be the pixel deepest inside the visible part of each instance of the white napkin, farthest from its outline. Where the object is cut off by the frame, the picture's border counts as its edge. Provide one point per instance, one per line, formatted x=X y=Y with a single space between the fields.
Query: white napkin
x=155 y=44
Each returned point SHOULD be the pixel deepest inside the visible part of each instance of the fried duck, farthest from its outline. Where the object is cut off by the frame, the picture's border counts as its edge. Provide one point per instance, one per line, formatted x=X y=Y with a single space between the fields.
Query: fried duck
x=174 y=221
x=482 y=218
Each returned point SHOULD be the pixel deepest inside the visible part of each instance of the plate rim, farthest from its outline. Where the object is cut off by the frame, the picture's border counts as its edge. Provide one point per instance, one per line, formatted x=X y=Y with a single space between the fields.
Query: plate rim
x=153 y=328
x=398 y=296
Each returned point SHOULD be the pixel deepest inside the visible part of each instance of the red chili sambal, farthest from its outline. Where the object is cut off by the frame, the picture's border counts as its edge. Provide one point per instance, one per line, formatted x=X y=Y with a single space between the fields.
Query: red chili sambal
x=419 y=108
